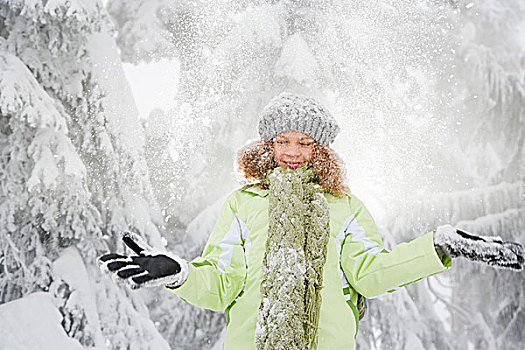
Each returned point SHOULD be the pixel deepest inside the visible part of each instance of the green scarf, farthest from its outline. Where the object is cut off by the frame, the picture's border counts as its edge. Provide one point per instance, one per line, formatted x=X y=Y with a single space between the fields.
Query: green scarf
x=298 y=233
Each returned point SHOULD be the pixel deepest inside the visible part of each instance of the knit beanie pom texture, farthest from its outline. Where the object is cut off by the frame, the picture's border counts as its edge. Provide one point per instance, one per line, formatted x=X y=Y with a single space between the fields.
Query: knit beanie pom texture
x=292 y=112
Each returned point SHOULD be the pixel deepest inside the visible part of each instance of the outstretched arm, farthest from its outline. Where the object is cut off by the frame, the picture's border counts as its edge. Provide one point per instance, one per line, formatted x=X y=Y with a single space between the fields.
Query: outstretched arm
x=211 y=281
x=372 y=270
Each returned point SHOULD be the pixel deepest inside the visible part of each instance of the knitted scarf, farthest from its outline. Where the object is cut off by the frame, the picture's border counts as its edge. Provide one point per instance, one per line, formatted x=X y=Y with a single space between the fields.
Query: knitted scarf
x=298 y=233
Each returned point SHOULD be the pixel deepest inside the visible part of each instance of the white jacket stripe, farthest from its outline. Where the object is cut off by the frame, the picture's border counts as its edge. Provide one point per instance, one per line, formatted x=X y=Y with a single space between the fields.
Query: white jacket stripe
x=339 y=242
x=230 y=239
x=245 y=235
x=358 y=234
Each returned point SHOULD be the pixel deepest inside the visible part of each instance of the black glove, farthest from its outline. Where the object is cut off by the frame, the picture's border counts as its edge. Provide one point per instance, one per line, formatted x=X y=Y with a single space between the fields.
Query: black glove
x=148 y=268
x=490 y=250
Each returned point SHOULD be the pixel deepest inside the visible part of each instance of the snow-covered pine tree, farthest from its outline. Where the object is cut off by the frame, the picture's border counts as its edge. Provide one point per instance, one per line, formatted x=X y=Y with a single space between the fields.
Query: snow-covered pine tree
x=45 y=203
x=481 y=188
x=39 y=216
x=70 y=179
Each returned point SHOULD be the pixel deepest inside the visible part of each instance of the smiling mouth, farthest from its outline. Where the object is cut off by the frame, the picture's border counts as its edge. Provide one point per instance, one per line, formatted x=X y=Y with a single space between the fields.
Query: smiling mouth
x=294 y=165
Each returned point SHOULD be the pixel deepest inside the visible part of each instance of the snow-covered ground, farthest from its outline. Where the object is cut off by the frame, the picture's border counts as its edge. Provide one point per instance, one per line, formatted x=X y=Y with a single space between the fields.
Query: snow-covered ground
x=33 y=322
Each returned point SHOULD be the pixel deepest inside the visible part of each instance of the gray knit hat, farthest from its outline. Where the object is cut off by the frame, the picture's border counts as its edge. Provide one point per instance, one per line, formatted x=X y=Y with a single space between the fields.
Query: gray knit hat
x=291 y=112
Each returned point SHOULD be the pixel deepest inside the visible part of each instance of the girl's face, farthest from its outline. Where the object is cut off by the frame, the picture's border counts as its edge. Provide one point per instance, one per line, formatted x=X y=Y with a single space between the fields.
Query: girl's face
x=293 y=149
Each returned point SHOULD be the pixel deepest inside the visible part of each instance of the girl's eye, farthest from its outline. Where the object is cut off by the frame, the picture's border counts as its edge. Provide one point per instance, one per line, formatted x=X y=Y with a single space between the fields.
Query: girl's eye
x=281 y=142
x=306 y=144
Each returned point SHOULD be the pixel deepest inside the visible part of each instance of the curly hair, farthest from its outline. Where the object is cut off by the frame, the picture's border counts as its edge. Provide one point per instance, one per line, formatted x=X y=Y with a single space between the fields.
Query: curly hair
x=256 y=159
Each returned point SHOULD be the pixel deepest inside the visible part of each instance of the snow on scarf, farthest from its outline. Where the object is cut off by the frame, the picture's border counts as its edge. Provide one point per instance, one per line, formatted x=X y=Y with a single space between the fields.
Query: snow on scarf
x=292 y=269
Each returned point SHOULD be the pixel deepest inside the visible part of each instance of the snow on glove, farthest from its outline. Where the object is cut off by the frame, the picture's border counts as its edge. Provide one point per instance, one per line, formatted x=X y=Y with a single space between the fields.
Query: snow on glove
x=490 y=250
x=149 y=268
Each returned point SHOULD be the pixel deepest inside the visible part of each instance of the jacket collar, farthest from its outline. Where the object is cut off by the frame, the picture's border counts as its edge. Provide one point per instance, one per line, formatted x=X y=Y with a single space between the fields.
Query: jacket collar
x=255 y=189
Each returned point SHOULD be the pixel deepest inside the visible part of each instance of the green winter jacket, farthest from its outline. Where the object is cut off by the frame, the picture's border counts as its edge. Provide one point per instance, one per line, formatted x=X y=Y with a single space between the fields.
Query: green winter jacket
x=228 y=274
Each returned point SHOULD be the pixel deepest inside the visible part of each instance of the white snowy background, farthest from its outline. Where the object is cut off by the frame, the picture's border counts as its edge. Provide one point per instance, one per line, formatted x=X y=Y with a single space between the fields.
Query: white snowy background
x=126 y=115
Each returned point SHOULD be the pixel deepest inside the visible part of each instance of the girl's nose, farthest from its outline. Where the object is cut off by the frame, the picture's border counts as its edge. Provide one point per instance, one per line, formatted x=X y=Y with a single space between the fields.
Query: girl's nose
x=292 y=150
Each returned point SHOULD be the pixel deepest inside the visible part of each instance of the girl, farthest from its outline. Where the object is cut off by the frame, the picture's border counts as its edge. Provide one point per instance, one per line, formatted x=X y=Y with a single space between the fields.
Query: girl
x=293 y=253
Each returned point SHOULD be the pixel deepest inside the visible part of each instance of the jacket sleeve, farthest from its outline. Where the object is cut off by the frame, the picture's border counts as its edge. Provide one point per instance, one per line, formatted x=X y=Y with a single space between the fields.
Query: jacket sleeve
x=372 y=270
x=217 y=277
